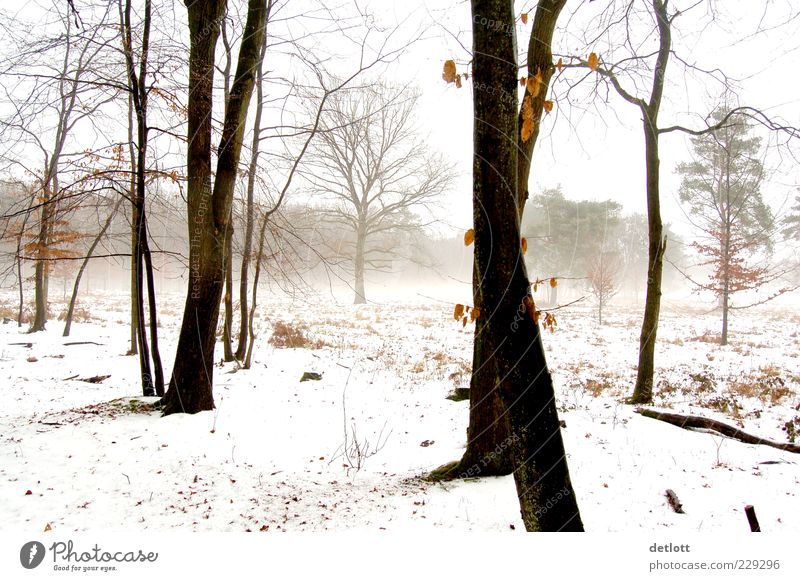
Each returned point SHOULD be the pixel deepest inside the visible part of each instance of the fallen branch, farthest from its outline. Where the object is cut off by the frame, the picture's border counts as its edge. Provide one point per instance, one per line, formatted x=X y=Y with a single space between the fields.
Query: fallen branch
x=81 y=343
x=697 y=422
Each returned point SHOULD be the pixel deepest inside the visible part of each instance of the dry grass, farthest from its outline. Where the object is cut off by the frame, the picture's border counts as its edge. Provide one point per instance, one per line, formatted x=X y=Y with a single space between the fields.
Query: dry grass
x=290 y=335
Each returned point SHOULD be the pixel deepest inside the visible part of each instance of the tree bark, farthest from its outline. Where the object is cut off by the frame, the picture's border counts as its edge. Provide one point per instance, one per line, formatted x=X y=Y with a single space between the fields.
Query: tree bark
x=510 y=336
x=487 y=428
x=191 y=386
x=227 y=327
x=657 y=242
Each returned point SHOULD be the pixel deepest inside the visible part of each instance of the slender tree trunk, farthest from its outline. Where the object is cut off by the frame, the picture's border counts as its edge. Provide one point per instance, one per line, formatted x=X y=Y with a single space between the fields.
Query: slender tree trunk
x=227 y=326
x=487 y=427
x=358 y=263
x=256 y=276
x=191 y=386
x=73 y=299
x=643 y=391
x=42 y=268
x=134 y=290
x=244 y=315
x=657 y=242
x=511 y=337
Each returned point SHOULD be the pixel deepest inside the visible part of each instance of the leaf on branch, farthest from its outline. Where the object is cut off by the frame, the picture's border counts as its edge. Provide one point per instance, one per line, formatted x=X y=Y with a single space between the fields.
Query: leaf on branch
x=469 y=237
x=464 y=322
x=530 y=306
x=524 y=17
x=527 y=119
x=458 y=312
x=549 y=322
x=449 y=72
x=535 y=84
x=594 y=61
x=458 y=81
x=553 y=282
x=547 y=106
x=474 y=313
x=524 y=245
x=523 y=81
x=560 y=64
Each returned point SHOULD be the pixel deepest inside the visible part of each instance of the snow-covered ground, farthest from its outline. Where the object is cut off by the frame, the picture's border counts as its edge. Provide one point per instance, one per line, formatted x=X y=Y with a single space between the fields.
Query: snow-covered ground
x=82 y=456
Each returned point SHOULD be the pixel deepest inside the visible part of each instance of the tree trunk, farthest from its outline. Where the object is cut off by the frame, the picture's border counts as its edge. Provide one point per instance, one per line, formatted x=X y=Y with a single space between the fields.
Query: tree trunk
x=41 y=271
x=191 y=386
x=358 y=263
x=657 y=242
x=643 y=391
x=134 y=349
x=227 y=326
x=487 y=427
x=95 y=242
x=244 y=332
x=510 y=336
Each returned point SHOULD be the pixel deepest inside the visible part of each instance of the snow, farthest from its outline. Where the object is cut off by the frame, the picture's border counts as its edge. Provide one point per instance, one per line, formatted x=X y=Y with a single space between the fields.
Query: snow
x=269 y=457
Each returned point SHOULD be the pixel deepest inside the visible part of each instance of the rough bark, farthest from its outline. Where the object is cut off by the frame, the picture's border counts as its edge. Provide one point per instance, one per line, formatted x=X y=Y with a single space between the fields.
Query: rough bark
x=510 y=336
x=191 y=386
x=486 y=426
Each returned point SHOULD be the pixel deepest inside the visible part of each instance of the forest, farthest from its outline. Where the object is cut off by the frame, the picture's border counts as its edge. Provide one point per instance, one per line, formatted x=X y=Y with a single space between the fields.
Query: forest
x=488 y=266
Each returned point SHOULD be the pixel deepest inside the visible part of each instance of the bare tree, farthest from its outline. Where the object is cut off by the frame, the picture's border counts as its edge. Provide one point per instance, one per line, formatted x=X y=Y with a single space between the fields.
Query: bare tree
x=372 y=165
x=604 y=273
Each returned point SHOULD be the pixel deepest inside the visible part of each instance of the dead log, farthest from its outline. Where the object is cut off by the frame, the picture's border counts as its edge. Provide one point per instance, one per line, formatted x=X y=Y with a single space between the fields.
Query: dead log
x=698 y=422
x=69 y=343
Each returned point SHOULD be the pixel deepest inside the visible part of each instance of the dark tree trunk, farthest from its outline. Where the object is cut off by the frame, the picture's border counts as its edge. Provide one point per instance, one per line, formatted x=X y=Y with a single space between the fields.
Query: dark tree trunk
x=42 y=268
x=657 y=242
x=191 y=387
x=487 y=428
x=227 y=328
x=510 y=338
x=359 y=262
x=244 y=331
x=134 y=290
x=73 y=299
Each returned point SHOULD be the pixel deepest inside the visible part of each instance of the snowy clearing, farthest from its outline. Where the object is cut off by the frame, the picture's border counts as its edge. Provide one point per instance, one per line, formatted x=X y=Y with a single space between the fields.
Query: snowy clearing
x=269 y=458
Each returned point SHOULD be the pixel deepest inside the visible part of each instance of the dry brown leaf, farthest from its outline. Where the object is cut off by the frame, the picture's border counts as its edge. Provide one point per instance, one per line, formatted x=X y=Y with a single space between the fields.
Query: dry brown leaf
x=469 y=237
x=524 y=17
x=524 y=245
x=474 y=313
x=560 y=64
x=535 y=84
x=523 y=81
x=48 y=528
x=449 y=72
x=527 y=119
x=458 y=81
x=594 y=61
x=553 y=282
x=458 y=311
x=548 y=106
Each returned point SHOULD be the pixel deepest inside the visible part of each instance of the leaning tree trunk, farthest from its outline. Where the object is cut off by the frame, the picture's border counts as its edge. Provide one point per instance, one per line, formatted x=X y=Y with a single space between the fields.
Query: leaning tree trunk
x=191 y=386
x=73 y=299
x=487 y=428
x=510 y=335
x=359 y=261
